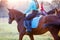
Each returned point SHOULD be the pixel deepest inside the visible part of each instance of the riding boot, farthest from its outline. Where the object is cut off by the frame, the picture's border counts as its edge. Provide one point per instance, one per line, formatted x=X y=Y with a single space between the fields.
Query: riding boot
x=28 y=26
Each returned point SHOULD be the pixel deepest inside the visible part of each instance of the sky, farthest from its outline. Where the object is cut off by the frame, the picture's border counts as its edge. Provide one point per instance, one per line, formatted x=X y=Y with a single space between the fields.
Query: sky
x=14 y=2
x=17 y=1
x=21 y=3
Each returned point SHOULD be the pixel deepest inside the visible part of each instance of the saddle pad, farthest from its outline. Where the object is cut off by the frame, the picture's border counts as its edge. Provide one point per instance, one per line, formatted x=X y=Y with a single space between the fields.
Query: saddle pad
x=35 y=21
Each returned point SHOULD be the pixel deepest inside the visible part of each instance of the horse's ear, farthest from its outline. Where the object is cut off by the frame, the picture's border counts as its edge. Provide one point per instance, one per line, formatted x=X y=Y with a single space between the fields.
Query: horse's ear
x=8 y=9
x=56 y=11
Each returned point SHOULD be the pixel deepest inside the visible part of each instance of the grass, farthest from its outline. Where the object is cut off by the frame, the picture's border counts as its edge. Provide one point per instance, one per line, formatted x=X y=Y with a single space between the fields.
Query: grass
x=9 y=32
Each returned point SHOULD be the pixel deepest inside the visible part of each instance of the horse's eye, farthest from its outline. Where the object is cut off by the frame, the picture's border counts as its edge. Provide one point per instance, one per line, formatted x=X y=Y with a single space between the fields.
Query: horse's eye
x=9 y=17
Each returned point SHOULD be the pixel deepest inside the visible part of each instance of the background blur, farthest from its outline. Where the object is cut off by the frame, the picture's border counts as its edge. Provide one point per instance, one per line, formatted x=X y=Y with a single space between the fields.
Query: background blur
x=9 y=31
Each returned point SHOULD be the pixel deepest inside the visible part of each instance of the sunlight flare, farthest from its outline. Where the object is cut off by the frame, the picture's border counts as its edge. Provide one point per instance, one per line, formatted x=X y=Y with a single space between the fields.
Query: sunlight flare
x=12 y=1
x=48 y=1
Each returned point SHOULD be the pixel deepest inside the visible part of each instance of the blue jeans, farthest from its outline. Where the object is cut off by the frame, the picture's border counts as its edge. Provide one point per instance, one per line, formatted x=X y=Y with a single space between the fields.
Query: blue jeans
x=28 y=25
x=29 y=18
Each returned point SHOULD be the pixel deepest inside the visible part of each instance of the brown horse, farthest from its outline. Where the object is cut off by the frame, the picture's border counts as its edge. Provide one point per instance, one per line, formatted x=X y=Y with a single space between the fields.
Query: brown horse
x=54 y=27
x=54 y=19
x=19 y=18
x=53 y=11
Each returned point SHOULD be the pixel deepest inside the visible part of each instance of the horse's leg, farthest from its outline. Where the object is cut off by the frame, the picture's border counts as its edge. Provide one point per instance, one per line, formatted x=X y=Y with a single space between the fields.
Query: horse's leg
x=54 y=32
x=31 y=37
x=21 y=36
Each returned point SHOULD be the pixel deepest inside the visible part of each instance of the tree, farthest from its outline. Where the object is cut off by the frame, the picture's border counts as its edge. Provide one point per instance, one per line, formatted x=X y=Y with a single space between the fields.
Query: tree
x=3 y=3
x=57 y=3
x=3 y=8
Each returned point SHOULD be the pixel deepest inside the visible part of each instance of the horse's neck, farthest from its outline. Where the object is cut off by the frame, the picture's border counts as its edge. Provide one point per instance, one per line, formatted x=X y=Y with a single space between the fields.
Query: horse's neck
x=20 y=25
x=19 y=18
x=20 y=21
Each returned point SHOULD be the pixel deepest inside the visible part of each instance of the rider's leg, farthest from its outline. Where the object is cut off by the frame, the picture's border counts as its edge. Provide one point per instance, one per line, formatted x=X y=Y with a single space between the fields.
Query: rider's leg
x=28 y=20
x=28 y=26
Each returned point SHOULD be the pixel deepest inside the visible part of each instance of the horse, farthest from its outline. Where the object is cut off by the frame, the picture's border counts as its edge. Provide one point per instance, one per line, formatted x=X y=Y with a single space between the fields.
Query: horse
x=53 y=11
x=19 y=17
x=56 y=19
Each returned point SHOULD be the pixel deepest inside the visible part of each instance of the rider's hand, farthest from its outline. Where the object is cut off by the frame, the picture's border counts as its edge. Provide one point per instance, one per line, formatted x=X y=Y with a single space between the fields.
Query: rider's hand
x=24 y=14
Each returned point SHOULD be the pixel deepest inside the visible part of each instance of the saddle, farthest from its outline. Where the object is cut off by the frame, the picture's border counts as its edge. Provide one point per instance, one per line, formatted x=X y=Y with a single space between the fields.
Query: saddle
x=34 y=21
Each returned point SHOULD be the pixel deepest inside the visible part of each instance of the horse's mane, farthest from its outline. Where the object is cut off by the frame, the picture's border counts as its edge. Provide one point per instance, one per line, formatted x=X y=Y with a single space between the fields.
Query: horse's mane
x=15 y=11
x=16 y=14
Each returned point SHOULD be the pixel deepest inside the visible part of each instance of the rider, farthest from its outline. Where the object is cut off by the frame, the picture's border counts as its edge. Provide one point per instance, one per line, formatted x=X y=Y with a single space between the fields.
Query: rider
x=34 y=8
x=42 y=9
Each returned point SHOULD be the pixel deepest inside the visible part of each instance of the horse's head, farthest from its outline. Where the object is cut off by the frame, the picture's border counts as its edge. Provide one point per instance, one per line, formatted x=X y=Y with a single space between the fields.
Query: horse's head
x=11 y=16
x=57 y=11
x=51 y=11
x=15 y=15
